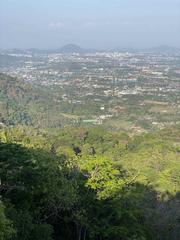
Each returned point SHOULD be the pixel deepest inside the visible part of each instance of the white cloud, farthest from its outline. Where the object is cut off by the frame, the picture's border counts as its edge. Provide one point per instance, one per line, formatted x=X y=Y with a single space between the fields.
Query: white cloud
x=56 y=25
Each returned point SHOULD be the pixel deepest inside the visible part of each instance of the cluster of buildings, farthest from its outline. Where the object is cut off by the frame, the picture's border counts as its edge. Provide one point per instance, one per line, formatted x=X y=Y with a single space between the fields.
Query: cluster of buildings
x=115 y=81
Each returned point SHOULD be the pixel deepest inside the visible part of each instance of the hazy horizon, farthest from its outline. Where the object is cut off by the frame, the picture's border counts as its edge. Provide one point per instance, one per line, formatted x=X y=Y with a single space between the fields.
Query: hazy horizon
x=98 y=24
x=91 y=48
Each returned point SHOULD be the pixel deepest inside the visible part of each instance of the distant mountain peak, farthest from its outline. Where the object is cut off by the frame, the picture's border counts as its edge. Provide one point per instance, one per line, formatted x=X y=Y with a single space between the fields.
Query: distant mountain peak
x=71 y=48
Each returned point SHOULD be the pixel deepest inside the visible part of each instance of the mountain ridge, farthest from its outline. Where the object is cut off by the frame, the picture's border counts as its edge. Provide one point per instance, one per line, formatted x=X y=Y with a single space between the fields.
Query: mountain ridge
x=74 y=48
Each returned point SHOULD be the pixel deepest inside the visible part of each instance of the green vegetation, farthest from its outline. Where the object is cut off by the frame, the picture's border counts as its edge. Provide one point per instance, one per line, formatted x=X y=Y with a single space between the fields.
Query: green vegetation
x=22 y=103
x=89 y=183
x=62 y=180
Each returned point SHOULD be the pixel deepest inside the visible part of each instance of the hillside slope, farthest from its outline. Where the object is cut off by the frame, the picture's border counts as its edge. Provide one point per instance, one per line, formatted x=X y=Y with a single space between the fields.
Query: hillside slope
x=23 y=103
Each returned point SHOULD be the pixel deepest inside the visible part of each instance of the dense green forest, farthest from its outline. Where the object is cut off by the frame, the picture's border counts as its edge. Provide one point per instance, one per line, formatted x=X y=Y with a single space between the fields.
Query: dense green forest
x=89 y=183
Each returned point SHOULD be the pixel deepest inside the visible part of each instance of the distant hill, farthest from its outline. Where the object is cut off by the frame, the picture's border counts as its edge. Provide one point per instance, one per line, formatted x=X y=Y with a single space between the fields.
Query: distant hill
x=71 y=48
x=66 y=49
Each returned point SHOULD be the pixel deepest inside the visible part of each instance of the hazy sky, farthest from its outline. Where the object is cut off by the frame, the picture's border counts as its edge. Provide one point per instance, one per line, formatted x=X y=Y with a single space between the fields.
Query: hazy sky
x=89 y=23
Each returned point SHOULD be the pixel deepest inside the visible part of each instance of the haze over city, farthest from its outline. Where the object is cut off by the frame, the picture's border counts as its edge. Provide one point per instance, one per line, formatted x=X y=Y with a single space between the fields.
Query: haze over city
x=100 y=24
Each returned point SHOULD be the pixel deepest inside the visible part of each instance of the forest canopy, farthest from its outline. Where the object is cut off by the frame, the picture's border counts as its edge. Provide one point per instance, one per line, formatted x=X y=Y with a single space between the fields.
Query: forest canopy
x=89 y=183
